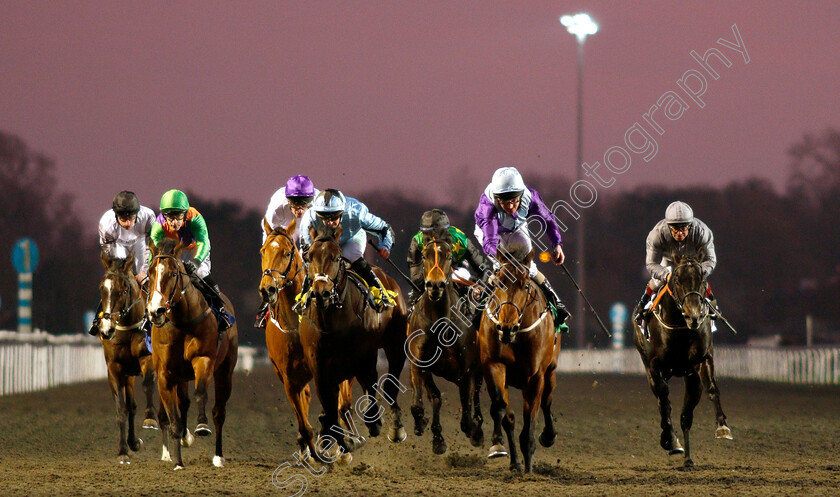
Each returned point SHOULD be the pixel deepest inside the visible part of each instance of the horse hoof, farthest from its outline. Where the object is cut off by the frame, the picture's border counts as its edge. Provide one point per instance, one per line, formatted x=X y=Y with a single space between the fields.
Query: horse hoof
x=477 y=438
x=438 y=446
x=188 y=440
x=164 y=455
x=137 y=445
x=375 y=429
x=124 y=459
x=150 y=424
x=345 y=459
x=397 y=435
x=676 y=452
x=202 y=430
x=547 y=439
x=723 y=432
x=688 y=463
x=497 y=450
x=178 y=467
x=219 y=461
x=354 y=444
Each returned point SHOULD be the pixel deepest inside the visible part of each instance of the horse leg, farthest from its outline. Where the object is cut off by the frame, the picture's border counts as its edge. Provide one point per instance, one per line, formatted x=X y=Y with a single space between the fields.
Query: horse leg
x=116 y=381
x=668 y=439
x=494 y=374
x=417 y=409
x=203 y=369
x=707 y=375
x=693 y=391
x=531 y=399
x=477 y=436
x=373 y=412
x=395 y=353
x=171 y=419
x=548 y=435
x=223 y=381
x=328 y=394
x=438 y=444
x=134 y=443
x=147 y=369
x=164 y=432
x=183 y=409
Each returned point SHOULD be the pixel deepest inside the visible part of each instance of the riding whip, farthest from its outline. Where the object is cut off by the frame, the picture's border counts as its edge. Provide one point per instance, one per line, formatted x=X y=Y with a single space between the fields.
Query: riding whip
x=586 y=299
x=719 y=315
x=398 y=270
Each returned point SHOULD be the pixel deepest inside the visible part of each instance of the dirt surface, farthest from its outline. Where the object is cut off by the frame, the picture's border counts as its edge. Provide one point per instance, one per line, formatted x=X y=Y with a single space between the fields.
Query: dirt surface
x=64 y=442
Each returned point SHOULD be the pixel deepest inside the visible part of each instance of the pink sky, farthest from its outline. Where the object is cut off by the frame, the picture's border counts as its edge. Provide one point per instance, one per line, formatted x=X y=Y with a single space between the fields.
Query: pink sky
x=232 y=98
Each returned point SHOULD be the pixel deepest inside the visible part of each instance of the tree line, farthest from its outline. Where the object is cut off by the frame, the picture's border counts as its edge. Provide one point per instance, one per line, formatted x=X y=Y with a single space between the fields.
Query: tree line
x=777 y=250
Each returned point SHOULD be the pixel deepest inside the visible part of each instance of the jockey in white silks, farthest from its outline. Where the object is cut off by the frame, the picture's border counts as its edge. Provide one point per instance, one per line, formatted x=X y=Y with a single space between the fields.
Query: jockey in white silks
x=290 y=203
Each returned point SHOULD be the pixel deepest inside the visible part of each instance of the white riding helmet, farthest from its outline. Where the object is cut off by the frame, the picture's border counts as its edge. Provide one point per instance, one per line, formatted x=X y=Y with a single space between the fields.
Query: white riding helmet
x=679 y=213
x=328 y=201
x=507 y=182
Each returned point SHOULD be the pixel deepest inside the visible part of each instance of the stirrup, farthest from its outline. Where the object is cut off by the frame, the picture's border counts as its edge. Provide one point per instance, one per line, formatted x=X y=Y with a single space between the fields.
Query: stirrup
x=261 y=321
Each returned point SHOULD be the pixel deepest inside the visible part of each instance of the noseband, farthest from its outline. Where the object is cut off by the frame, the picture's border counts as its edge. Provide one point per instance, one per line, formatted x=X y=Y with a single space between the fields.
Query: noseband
x=169 y=304
x=531 y=297
x=338 y=282
x=284 y=275
x=680 y=303
x=118 y=316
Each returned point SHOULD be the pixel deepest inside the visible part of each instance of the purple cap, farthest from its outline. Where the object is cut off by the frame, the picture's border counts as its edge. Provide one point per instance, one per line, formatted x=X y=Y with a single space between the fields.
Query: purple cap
x=300 y=186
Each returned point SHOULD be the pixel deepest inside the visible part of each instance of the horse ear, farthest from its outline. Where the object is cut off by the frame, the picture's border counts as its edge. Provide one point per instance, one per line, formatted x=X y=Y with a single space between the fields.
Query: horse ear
x=313 y=233
x=153 y=249
x=266 y=228
x=291 y=228
x=528 y=258
x=177 y=250
x=337 y=233
x=128 y=265
x=105 y=259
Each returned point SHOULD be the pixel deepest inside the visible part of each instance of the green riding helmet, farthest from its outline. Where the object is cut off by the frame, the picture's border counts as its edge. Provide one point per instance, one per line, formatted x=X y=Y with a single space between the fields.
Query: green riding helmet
x=174 y=201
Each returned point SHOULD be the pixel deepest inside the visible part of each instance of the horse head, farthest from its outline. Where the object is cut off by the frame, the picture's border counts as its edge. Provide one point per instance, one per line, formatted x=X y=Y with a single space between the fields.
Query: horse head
x=166 y=278
x=281 y=265
x=688 y=287
x=437 y=265
x=512 y=293
x=326 y=265
x=119 y=292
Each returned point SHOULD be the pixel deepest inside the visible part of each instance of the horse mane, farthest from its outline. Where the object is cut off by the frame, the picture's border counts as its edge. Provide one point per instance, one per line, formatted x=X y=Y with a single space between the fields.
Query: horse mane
x=118 y=264
x=167 y=246
x=326 y=233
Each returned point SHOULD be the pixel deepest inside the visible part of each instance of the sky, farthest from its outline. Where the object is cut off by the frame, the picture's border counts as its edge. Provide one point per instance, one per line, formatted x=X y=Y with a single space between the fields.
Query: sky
x=229 y=99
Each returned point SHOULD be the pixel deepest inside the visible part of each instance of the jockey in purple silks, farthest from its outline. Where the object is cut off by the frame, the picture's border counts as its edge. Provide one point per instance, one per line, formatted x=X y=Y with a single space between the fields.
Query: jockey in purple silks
x=288 y=204
x=501 y=220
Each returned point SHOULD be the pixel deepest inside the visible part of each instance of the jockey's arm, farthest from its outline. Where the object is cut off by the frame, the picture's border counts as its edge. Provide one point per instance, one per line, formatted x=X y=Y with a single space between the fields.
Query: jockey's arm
x=198 y=228
x=376 y=226
x=488 y=223
x=415 y=263
x=653 y=256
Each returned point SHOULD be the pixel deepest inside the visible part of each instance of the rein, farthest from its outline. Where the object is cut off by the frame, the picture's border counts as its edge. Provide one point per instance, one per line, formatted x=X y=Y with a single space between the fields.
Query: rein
x=521 y=311
x=679 y=302
x=285 y=273
x=169 y=304
x=118 y=316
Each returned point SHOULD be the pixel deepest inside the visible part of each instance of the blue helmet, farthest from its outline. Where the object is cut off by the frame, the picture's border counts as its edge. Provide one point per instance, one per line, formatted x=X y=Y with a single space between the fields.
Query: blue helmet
x=329 y=201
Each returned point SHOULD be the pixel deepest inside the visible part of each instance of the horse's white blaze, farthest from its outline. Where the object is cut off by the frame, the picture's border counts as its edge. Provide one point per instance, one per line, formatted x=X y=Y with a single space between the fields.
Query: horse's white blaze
x=105 y=323
x=218 y=461
x=164 y=456
x=157 y=296
x=275 y=245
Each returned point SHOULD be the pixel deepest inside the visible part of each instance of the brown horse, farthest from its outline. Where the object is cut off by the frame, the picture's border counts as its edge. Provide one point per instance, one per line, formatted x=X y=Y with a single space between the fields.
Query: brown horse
x=186 y=345
x=680 y=344
x=517 y=343
x=442 y=341
x=282 y=280
x=341 y=334
x=123 y=310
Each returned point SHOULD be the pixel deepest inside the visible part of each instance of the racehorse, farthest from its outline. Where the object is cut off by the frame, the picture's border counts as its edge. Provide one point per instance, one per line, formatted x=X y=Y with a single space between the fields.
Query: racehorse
x=680 y=344
x=442 y=341
x=518 y=348
x=186 y=345
x=341 y=334
x=282 y=280
x=123 y=343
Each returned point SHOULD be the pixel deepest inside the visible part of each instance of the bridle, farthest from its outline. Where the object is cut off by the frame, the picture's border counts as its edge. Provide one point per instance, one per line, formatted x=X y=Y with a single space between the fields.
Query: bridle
x=680 y=302
x=171 y=302
x=437 y=262
x=284 y=275
x=517 y=328
x=118 y=316
x=338 y=283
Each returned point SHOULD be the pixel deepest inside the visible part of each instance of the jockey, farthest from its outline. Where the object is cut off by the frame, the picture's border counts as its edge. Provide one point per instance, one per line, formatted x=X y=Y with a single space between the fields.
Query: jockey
x=331 y=208
x=434 y=224
x=123 y=231
x=501 y=220
x=180 y=221
x=288 y=204
x=679 y=233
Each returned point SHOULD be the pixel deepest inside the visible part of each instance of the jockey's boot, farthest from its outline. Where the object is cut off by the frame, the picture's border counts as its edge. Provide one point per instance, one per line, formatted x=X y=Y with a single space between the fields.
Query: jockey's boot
x=561 y=313
x=379 y=296
x=262 y=316
x=94 y=326
x=215 y=297
x=640 y=313
x=713 y=302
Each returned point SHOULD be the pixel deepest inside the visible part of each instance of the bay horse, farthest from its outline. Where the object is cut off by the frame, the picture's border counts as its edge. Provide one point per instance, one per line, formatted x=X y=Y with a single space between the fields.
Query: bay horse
x=680 y=344
x=282 y=279
x=518 y=348
x=341 y=334
x=124 y=345
x=185 y=346
x=442 y=342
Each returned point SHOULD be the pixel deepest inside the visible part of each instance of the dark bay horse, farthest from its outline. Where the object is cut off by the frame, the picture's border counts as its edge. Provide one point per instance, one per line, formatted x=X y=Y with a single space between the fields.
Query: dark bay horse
x=123 y=343
x=186 y=345
x=282 y=280
x=518 y=348
x=442 y=342
x=680 y=344
x=341 y=334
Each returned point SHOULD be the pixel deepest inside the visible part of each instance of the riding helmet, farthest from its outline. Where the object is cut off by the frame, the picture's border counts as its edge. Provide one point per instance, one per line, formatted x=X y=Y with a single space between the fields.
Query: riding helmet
x=329 y=200
x=507 y=183
x=679 y=214
x=126 y=204
x=434 y=220
x=300 y=189
x=174 y=201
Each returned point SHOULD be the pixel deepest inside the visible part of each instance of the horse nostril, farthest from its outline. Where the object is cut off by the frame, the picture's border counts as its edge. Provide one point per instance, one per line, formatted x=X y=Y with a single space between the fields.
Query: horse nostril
x=272 y=290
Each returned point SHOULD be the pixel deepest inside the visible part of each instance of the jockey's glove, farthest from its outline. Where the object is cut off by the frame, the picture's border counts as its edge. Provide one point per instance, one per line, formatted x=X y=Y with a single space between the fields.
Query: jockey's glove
x=191 y=266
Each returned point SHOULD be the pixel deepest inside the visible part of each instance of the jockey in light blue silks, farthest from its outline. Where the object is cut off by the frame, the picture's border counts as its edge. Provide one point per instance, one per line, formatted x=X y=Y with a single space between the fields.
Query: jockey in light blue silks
x=501 y=220
x=331 y=208
x=680 y=233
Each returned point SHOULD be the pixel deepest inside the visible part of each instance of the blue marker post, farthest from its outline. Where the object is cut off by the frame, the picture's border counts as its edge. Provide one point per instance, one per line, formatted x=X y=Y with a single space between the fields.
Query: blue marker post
x=618 y=314
x=25 y=260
